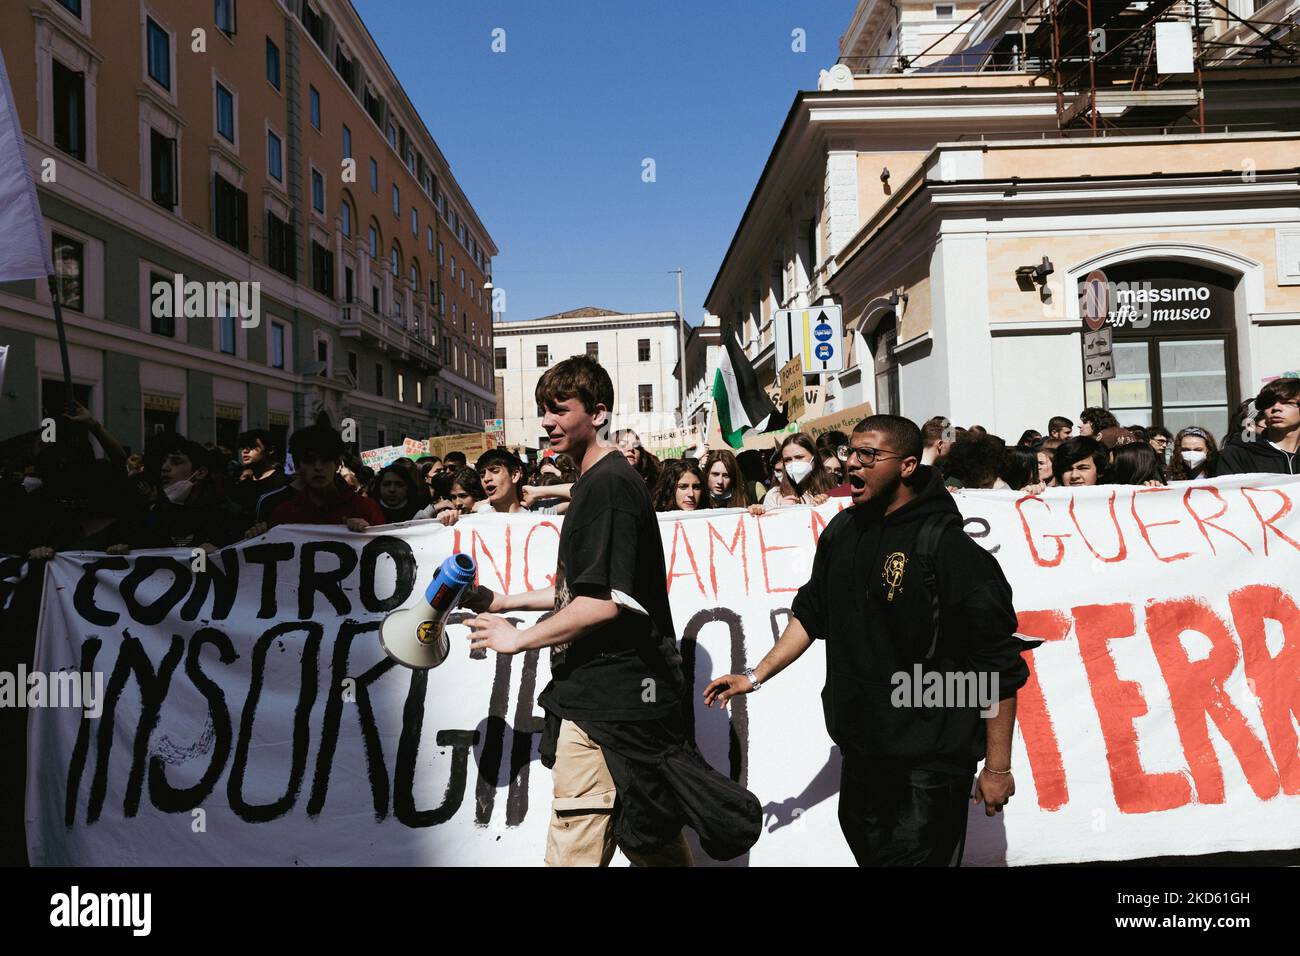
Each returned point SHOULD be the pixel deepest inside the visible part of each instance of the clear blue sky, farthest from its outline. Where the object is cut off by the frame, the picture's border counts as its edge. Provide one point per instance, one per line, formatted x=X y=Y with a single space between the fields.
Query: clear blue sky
x=547 y=139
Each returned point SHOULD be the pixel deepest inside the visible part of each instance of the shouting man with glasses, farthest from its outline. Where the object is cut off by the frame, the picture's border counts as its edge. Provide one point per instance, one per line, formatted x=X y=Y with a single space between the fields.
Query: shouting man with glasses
x=902 y=597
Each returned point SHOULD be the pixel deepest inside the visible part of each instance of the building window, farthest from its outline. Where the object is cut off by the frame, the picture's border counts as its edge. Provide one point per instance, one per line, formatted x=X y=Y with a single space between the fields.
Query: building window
x=392 y=136
x=379 y=379
x=429 y=231
x=73 y=7
x=225 y=16
x=70 y=111
x=885 y=364
x=352 y=365
x=453 y=268
x=374 y=175
x=374 y=298
x=397 y=200
x=500 y=358
x=347 y=142
x=322 y=270
x=161 y=324
x=343 y=65
x=381 y=437
x=323 y=352
x=277 y=345
x=345 y=218
x=643 y=350
x=274 y=157
x=160 y=56
x=440 y=253
x=317 y=191
x=230 y=213
x=543 y=356
x=226 y=330
x=645 y=398
x=374 y=243
x=225 y=113
x=313 y=98
x=374 y=106
x=69 y=268
x=593 y=351
x=944 y=11
x=279 y=245
x=272 y=63
x=415 y=223
x=395 y=260
x=314 y=23
x=162 y=169
x=401 y=387
x=419 y=392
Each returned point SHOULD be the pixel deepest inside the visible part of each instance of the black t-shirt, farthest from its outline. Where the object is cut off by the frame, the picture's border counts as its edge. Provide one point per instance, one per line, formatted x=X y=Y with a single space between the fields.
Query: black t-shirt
x=629 y=669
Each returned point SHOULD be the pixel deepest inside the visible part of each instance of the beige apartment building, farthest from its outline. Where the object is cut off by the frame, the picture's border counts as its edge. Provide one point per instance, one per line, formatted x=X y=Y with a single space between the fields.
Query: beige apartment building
x=955 y=205
x=640 y=351
x=265 y=142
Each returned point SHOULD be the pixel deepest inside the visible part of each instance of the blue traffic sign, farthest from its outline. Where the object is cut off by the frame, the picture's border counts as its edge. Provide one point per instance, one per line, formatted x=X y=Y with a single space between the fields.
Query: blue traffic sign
x=824 y=351
x=823 y=333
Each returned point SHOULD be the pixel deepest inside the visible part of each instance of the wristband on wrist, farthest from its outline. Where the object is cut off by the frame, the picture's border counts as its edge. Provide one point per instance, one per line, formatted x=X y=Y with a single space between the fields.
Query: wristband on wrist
x=1001 y=772
x=749 y=672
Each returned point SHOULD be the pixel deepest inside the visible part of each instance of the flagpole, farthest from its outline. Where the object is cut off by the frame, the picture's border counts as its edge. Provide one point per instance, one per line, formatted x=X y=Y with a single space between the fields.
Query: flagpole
x=68 y=401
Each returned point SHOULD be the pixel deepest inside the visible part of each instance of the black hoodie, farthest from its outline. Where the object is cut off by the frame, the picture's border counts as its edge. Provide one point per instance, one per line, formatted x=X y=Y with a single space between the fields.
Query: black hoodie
x=1256 y=457
x=875 y=630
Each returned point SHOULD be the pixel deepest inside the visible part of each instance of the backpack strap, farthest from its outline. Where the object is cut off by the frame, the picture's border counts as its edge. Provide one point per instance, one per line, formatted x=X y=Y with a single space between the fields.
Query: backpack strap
x=932 y=531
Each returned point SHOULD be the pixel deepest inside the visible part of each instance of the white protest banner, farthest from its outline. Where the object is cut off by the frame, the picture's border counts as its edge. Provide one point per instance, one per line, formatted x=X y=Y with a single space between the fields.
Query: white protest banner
x=251 y=717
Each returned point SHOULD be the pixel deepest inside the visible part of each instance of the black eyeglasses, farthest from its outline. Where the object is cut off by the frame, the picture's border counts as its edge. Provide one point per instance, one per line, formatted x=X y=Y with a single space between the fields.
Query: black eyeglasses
x=868 y=454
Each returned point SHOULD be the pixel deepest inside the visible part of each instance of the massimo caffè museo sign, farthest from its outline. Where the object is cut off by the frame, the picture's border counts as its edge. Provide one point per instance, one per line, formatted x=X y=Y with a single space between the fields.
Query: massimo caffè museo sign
x=1165 y=298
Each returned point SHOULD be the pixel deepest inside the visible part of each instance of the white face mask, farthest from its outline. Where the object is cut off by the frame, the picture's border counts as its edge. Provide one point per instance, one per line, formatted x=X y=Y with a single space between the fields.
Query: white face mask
x=1193 y=459
x=797 y=471
x=178 y=491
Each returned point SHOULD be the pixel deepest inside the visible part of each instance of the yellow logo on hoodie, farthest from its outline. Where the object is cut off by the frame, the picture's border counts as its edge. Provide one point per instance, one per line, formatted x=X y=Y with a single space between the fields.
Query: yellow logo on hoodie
x=895 y=565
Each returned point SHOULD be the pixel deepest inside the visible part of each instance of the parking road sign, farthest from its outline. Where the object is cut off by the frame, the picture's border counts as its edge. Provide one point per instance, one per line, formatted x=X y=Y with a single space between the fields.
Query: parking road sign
x=814 y=334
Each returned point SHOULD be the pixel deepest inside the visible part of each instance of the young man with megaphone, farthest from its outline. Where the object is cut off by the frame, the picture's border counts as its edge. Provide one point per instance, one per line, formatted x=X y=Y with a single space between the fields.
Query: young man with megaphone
x=625 y=773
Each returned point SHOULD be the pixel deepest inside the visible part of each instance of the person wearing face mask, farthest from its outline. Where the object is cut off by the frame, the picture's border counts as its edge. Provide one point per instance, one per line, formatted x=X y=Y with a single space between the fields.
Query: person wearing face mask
x=803 y=479
x=191 y=508
x=724 y=485
x=1195 y=455
x=680 y=487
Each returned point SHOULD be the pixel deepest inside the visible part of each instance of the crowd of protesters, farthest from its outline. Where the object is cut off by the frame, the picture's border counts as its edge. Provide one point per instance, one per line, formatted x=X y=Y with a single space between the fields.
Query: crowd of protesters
x=180 y=493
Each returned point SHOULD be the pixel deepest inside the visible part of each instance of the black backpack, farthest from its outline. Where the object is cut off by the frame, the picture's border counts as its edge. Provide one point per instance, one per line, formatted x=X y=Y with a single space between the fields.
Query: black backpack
x=926 y=548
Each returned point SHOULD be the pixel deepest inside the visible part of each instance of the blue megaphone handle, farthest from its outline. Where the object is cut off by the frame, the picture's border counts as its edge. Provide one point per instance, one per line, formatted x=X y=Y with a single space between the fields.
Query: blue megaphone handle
x=453 y=576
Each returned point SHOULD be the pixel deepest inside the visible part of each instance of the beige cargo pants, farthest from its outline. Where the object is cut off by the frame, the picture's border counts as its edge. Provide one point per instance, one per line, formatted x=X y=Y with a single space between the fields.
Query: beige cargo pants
x=582 y=815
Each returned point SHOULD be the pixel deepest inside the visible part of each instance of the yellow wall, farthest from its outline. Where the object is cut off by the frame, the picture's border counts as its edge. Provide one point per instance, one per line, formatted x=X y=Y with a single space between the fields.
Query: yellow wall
x=1121 y=159
x=871 y=193
x=1008 y=304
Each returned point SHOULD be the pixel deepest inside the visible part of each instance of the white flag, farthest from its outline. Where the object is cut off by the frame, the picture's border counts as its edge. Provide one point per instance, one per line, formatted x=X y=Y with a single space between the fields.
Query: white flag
x=23 y=250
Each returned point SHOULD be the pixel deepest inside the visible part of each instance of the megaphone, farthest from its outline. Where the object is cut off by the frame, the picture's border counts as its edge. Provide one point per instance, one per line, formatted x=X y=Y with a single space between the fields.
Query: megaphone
x=416 y=636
